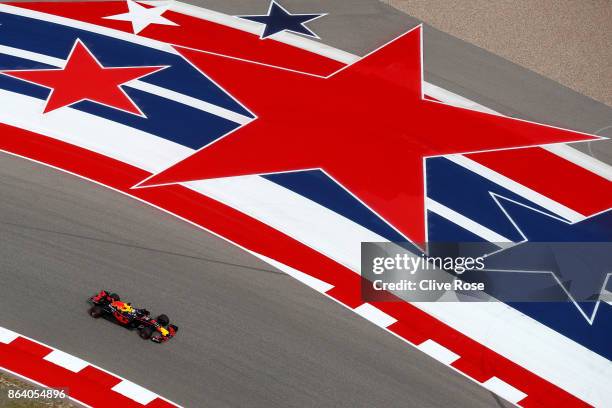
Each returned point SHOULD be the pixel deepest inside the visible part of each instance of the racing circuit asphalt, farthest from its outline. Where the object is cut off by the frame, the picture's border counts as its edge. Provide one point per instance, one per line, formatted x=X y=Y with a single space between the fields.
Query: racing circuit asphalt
x=250 y=335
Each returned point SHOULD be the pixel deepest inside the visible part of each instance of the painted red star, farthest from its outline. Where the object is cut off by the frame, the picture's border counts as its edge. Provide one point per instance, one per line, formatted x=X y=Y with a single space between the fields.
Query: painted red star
x=367 y=126
x=83 y=77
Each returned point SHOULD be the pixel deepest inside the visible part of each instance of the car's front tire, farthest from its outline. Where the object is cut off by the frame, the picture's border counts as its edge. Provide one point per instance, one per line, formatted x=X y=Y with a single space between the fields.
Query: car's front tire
x=96 y=311
x=145 y=333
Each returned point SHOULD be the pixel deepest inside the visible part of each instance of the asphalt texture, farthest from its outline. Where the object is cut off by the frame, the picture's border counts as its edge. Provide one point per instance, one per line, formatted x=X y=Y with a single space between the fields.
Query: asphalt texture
x=250 y=336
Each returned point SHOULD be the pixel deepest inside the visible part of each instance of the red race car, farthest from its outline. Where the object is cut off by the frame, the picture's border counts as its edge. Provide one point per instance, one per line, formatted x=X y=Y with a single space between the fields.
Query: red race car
x=109 y=306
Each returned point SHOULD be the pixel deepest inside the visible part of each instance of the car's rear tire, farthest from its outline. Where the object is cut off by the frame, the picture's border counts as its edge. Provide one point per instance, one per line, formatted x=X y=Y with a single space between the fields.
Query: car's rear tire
x=96 y=311
x=145 y=333
x=163 y=320
x=115 y=297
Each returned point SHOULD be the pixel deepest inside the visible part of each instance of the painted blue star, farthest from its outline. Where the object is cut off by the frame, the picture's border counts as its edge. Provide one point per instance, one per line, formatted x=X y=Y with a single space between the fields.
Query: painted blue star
x=578 y=255
x=278 y=19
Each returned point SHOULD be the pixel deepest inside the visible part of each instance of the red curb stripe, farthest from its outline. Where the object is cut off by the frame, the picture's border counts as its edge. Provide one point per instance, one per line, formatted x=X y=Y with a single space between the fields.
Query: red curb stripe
x=27 y=346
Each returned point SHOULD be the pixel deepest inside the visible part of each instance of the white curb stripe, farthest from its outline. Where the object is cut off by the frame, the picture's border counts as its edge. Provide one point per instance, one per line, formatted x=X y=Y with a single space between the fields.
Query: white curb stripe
x=7 y=336
x=464 y=222
x=306 y=279
x=438 y=351
x=66 y=360
x=504 y=390
x=189 y=101
x=135 y=392
x=375 y=315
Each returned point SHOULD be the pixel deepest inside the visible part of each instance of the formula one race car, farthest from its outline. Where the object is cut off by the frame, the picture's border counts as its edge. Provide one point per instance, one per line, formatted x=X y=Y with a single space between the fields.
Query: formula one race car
x=109 y=305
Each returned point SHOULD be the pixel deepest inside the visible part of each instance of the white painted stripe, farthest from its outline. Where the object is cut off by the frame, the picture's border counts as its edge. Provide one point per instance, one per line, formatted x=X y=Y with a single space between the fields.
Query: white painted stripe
x=517 y=188
x=606 y=295
x=189 y=101
x=504 y=390
x=7 y=336
x=581 y=159
x=451 y=98
x=66 y=360
x=465 y=222
x=140 y=85
x=438 y=351
x=306 y=279
x=135 y=392
x=375 y=315
x=32 y=56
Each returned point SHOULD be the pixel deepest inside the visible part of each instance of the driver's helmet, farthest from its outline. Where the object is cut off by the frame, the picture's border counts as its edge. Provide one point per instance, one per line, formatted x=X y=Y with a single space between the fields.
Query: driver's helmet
x=123 y=306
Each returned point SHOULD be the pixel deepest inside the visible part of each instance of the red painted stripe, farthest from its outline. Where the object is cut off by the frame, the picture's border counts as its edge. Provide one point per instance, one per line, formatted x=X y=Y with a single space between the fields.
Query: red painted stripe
x=99 y=377
x=27 y=346
x=413 y=324
x=195 y=33
x=589 y=192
